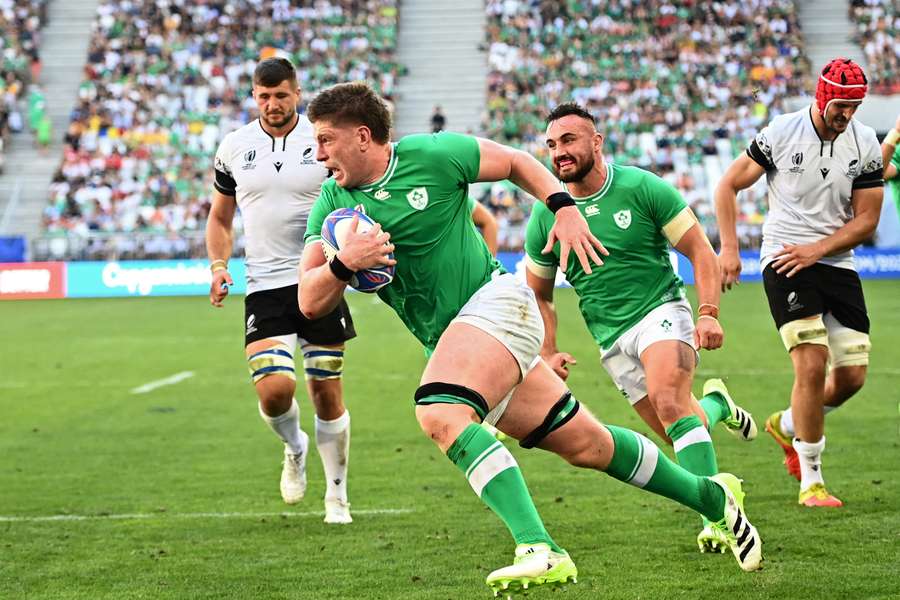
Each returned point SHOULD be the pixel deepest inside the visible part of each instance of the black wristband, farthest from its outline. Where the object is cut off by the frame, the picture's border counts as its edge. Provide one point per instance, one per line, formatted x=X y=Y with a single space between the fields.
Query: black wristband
x=559 y=200
x=340 y=270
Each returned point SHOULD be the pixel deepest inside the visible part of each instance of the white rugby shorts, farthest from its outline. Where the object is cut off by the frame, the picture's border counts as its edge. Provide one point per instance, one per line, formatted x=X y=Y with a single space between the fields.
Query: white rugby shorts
x=669 y=321
x=506 y=309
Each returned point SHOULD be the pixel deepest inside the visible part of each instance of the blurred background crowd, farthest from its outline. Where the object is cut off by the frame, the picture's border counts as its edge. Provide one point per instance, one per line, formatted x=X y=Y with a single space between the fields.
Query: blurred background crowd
x=677 y=87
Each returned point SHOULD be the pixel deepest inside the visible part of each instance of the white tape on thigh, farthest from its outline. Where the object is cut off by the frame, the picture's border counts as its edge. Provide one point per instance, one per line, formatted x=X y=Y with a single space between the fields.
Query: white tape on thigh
x=322 y=362
x=275 y=360
x=847 y=347
x=804 y=331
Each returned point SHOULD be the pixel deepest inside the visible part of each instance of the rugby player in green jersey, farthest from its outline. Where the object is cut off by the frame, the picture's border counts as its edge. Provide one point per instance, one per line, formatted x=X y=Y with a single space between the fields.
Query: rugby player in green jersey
x=890 y=153
x=635 y=307
x=482 y=327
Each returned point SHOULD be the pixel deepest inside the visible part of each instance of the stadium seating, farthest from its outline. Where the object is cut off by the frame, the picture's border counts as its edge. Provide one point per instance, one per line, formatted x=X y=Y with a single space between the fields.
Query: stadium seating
x=671 y=86
x=878 y=34
x=20 y=38
x=165 y=81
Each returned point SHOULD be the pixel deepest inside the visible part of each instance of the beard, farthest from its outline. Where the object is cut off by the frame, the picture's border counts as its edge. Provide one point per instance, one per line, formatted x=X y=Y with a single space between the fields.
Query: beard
x=579 y=174
x=279 y=121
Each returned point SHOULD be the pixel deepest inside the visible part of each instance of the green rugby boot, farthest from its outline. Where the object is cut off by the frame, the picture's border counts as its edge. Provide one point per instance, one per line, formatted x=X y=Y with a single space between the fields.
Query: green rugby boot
x=534 y=565
x=743 y=538
x=739 y=422
x=713 y=538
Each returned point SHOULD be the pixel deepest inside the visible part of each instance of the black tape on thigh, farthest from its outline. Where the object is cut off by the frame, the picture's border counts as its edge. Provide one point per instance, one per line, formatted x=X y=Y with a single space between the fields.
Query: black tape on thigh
x=471 y=397
x=544 y=429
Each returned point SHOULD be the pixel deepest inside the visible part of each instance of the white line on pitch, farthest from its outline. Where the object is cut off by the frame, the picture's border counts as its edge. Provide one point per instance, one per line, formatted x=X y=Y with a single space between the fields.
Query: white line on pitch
x=164 y=515
x=785 y=372
x=149 y=387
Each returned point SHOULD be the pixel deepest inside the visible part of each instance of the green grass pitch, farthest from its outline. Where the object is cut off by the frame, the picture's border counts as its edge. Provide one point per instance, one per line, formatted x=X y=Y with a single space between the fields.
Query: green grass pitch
x=198 y=471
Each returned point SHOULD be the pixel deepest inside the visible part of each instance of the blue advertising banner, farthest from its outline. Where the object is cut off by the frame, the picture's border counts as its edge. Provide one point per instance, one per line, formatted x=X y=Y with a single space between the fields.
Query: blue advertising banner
x=146 y=278
x=872 y=263
x=12 y=249
x=192 y=277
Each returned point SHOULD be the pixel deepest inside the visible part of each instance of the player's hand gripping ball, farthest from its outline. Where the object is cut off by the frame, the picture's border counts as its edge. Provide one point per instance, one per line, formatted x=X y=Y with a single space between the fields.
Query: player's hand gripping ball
x=334 y=233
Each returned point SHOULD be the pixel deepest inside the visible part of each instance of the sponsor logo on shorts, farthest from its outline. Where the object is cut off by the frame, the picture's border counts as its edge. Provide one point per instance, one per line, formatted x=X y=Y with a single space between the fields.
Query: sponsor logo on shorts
x=793 y=302
x=666 y=325
x=251 y=320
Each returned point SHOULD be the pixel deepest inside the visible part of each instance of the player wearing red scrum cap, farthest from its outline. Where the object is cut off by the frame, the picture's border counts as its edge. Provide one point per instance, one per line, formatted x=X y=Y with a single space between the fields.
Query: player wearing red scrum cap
x=825 y=188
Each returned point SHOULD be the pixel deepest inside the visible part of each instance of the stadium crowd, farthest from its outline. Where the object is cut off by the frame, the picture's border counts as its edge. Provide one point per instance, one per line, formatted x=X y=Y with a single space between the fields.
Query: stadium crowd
x=878 y=33
x=669 y=82
x=677 y=88
x=20 y=64
x=165 y=81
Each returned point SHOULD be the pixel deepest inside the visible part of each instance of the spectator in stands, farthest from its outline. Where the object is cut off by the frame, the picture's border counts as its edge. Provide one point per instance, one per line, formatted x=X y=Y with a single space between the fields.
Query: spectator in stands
x=438 y=120
x=165 y=80
x=675 y=87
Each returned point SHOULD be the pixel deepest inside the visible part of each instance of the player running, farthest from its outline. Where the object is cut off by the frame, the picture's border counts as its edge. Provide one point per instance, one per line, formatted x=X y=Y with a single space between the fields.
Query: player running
x=635 y=306
x=890 y=155
x=268 y=168
x=825 y=188
x=483 y=327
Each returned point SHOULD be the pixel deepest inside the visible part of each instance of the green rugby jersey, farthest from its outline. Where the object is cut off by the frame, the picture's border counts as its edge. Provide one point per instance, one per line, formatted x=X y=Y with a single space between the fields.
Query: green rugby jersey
x=422 y=201
x=895 y=182
x=627 y=215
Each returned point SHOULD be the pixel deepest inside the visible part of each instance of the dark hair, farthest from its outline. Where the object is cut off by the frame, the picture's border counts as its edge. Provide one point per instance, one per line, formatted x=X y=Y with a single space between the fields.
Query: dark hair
x=570 y=108
x=353 y=104
x=272 y=71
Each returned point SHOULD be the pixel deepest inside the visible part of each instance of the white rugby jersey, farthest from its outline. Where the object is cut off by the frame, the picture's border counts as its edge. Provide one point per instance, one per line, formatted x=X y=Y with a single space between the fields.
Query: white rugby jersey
x=810 y=180
x=275 y=181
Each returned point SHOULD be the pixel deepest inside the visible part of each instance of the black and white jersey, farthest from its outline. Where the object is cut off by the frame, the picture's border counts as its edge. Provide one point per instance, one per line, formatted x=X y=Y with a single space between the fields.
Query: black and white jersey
x=810 y=180
x=275 y=181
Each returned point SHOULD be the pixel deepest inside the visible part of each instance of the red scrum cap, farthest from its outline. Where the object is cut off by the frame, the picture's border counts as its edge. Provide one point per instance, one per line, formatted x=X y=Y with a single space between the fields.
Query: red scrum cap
x=841 y=80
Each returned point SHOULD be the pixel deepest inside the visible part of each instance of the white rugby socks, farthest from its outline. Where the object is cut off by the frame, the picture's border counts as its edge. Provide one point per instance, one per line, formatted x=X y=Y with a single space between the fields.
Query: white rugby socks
x=787 y=419
x=333 y=443
x=287 y=427
x=810 y=462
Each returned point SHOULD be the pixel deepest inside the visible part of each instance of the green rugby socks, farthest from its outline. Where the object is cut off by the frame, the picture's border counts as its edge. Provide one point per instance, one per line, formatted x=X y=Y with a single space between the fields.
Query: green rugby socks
x=495 y=476
x=693 y=446
x=637 y=460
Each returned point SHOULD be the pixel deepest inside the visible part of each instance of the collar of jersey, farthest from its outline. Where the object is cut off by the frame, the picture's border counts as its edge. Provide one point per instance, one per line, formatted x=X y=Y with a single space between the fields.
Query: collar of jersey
x=388 y=173
x=603 y=188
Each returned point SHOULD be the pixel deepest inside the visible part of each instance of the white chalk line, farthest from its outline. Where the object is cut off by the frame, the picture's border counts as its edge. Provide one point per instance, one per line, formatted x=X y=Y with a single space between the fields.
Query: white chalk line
x=784 y=372
x=200 y=515
x=171 y=380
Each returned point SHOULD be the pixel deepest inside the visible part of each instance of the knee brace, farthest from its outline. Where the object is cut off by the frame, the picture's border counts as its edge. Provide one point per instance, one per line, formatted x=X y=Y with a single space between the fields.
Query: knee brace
x=450 y=393
x=559 y=414
x=804 y=331
x=276 y=360
x=322 y=363
x=847 y=347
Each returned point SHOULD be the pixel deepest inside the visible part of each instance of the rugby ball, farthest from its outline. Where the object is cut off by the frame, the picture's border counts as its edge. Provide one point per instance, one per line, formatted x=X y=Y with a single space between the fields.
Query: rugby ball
x=334 y=232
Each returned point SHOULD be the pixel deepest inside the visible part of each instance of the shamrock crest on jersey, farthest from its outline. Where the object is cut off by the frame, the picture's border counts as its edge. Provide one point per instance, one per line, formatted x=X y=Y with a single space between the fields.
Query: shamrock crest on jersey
x=623 y=218
x=418 y=198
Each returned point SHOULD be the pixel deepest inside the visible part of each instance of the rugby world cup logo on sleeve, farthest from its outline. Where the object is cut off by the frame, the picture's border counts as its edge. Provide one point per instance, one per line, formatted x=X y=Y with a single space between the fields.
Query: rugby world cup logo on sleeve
x=623 y=218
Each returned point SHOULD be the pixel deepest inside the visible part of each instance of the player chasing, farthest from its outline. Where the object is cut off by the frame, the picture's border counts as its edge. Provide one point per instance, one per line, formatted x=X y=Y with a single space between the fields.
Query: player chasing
x=890 y=156
x=483 y=326
x=268 y=169
x=635 y=306
x=825 y=188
